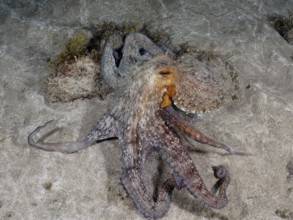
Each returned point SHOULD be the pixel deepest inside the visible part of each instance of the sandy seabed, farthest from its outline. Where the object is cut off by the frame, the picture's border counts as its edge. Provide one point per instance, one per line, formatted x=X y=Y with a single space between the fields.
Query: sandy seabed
x=40 y=185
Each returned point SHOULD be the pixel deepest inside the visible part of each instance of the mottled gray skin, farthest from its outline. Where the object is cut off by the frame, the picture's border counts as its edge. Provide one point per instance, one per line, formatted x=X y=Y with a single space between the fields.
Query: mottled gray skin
x=140 y=72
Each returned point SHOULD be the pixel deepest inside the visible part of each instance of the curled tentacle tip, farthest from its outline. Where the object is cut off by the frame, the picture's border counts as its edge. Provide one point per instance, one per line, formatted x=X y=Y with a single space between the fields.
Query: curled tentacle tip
x=219 y=171
x=34 y=132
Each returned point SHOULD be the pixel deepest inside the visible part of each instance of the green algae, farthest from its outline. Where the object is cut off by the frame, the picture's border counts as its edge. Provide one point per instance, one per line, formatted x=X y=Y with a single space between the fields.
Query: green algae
x=74 y=48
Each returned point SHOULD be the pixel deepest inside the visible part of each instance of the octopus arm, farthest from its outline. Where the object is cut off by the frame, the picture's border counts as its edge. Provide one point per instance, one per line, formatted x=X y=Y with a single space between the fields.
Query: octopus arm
x=103 y=130
x=176 y=155
x=151 y=204
x=143 y=199
x=110 y=58
x=175 y=121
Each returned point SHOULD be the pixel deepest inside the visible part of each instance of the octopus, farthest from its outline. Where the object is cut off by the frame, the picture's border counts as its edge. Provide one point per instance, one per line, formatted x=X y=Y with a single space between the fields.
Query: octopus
x=154 y=89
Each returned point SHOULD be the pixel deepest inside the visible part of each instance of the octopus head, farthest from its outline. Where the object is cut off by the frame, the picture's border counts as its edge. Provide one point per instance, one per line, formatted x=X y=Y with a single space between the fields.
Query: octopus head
x=204 y=85
x=194 y=87
x=161 y=76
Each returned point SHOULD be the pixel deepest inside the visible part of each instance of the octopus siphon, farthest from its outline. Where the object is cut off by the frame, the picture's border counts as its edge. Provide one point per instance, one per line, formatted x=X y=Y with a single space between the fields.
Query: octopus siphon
x=154 y=90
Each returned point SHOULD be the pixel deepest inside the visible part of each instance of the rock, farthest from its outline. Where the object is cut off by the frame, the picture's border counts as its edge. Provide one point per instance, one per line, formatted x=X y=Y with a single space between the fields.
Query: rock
x=76 y=80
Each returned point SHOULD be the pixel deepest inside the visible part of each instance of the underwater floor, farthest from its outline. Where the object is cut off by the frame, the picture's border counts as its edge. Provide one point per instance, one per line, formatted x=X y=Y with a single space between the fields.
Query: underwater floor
x=252 y=36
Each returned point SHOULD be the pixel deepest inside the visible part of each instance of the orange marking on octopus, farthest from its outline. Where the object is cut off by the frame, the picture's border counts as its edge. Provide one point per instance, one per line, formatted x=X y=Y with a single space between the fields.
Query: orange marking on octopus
x=171 y=91
x=168 y=75
x=166 y=99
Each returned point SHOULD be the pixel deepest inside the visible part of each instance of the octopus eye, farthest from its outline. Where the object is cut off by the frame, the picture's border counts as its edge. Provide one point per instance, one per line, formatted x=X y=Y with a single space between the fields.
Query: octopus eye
x=142 y=51
x=164 y=72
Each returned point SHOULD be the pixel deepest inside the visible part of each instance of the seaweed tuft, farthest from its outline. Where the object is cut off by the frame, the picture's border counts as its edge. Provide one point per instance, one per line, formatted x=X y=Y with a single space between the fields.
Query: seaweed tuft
x=74 y=48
